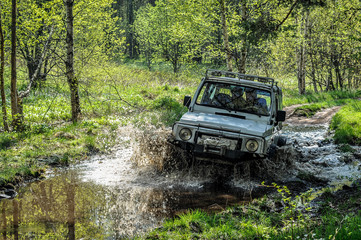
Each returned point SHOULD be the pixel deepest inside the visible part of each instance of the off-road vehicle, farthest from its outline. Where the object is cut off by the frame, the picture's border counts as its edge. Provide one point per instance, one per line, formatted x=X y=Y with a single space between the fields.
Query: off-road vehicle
x=232 y=117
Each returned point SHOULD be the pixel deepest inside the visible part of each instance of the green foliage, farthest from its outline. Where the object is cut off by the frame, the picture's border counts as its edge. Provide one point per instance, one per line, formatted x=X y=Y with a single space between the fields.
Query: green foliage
x=171 y=110
x=308 y=110
x=172 y=30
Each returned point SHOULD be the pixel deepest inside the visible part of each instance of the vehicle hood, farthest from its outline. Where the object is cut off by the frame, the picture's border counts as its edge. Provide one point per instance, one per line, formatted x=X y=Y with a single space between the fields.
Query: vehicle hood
x=225 y=123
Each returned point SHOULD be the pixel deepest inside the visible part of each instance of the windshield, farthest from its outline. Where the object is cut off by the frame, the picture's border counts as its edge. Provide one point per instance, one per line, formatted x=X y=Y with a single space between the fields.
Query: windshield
x=234 y=97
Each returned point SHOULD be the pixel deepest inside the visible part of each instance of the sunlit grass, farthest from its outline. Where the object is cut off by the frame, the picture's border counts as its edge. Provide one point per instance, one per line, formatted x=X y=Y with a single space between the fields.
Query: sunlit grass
x=347 y=124
x=330 y=98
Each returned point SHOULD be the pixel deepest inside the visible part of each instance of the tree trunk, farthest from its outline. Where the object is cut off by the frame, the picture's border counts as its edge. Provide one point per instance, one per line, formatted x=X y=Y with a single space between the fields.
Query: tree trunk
x=2 y=67
x=225 y=35
x=301 y=63
x=69 y=63
x=243 y=51
x=17 y=119
x=3 y=222
x=129 y=30
x=336 y=64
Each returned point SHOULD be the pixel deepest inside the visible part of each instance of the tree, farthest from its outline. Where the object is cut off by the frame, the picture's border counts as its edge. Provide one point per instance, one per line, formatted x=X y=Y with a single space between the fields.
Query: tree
x=37 y=20
x=325 y=49
x=16 y=110
x=69 y=63
x=225 y=35
x=145 y=30
x=2 y=67
x=176 y=29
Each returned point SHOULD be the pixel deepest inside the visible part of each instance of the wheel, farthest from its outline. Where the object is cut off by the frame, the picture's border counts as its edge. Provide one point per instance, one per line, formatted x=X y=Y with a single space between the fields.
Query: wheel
x=280 y=141
x=272 y=151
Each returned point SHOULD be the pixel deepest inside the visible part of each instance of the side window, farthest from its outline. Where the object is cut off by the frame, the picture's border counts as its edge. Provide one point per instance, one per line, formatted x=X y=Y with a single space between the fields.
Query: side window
x=264 y=98
x=225 y=91
x=206 y=94
x=200 y=96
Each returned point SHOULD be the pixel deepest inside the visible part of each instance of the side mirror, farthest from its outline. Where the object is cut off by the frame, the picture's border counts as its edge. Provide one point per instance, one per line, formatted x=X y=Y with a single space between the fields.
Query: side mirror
x=187 y=101
x=280 y=116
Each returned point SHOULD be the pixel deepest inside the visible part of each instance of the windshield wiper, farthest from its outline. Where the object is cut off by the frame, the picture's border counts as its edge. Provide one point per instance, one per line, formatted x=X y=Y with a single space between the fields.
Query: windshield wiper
x=230 y=115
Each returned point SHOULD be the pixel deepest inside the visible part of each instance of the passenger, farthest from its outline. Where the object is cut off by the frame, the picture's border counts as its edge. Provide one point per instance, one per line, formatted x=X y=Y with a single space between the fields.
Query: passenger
x=252 y=101
x=237 y=98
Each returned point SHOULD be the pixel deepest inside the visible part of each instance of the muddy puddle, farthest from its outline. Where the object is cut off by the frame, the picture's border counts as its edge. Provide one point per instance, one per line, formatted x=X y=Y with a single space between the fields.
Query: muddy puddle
x=115 y=197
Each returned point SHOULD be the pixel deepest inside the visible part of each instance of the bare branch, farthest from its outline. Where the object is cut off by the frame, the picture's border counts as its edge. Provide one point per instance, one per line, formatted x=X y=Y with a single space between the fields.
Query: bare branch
x=288 y=14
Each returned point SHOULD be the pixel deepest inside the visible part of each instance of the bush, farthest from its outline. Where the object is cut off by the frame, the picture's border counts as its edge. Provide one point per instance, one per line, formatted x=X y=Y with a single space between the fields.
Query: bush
x=5 y=141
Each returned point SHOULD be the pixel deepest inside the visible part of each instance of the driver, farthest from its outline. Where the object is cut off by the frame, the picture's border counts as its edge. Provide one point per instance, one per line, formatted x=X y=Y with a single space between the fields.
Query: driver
x=237 y=97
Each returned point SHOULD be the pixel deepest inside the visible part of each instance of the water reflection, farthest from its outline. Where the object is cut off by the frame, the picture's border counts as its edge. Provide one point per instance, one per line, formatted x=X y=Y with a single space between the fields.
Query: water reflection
x=67 y=207
x=57 y=208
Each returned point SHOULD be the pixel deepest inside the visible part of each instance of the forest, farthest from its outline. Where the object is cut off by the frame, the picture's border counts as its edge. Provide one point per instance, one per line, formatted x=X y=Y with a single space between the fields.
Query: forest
x=75 y=72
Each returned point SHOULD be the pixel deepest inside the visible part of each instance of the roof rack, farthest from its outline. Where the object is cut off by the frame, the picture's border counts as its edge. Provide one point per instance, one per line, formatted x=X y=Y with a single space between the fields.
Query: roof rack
x=239 y=76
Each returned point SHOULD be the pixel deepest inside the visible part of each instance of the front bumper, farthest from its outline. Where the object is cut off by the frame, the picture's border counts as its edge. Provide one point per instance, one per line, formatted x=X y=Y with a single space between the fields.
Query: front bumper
x=212 y=152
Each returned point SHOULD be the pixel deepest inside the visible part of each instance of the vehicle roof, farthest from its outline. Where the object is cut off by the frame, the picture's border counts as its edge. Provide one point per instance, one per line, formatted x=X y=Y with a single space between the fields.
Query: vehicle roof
x=243 y=79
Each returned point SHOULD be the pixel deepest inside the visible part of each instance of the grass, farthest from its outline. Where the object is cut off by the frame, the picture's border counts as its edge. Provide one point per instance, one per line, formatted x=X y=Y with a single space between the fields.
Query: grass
x=323 y=99
x=347 y=124
x=261 y=219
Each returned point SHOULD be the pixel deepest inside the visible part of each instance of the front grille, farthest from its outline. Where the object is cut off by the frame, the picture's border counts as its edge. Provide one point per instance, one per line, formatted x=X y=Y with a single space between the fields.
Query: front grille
x=217 y=142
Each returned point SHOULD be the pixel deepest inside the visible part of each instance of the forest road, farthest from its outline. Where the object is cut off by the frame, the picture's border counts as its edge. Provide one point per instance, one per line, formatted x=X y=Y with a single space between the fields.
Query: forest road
x=322 y=117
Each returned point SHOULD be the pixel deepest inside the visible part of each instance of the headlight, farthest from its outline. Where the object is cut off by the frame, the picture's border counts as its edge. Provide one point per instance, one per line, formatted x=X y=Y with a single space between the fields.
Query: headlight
x=252 y=145
x=185 y=134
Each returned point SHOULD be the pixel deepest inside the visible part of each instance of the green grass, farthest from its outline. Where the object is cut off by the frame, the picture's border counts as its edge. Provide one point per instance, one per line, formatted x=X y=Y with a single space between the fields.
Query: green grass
x=347 y=124
x=260 y=219
x=327 y=99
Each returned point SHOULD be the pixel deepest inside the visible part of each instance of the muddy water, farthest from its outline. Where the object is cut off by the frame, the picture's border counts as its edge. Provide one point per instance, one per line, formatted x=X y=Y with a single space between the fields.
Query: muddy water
x=317 y=156
x=110 y=198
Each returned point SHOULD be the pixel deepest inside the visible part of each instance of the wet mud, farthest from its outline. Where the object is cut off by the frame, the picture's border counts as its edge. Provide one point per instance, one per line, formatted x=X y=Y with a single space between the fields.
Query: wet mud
x=146 y=180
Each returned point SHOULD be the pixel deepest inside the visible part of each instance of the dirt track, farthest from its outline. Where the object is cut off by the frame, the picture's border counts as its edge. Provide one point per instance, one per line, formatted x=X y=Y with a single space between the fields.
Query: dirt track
x=320 y=118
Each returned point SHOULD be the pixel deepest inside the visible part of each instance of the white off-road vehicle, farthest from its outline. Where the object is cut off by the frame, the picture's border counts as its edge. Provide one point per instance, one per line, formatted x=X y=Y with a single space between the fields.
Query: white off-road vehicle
x=232 y=117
